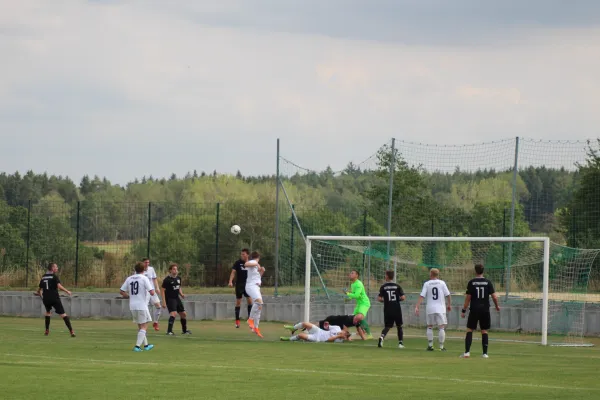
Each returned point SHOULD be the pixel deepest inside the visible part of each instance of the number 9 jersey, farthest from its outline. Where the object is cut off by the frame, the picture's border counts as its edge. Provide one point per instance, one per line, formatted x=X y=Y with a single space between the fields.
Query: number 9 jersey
x=138 y=287
x=435 y=292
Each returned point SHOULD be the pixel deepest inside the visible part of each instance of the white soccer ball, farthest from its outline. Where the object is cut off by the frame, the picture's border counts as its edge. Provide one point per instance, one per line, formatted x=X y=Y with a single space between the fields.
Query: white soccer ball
x=236 y=229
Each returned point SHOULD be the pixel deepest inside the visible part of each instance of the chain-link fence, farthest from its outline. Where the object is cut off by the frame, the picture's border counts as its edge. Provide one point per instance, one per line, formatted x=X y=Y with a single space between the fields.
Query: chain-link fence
x=472 y=190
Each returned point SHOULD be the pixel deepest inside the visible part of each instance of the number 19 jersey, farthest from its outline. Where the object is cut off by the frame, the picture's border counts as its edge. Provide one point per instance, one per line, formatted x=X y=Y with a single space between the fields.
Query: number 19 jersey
x=138 y=287
x=435 y=292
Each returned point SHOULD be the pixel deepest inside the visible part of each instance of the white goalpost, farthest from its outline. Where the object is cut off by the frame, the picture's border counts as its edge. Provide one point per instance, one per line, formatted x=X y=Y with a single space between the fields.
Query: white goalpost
x=542 y=285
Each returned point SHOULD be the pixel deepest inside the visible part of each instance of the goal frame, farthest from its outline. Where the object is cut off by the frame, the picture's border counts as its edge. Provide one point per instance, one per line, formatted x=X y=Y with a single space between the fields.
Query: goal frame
x=540 y=239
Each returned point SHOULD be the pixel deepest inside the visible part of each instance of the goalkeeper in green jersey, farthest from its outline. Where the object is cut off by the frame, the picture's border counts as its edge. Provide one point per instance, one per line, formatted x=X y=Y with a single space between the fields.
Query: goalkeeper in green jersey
x=357 y=292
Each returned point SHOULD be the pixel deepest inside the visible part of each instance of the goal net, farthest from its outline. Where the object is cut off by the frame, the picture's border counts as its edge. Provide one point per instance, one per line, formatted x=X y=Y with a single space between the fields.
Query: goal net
x=542 y=286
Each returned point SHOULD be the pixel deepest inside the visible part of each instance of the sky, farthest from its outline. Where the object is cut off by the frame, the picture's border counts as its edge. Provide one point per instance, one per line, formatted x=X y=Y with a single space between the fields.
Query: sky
x=124 y=89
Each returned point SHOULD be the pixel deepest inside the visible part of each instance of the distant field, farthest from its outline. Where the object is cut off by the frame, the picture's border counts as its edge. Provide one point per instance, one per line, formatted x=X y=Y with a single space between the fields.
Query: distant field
x=221 y=362
x=122 y=246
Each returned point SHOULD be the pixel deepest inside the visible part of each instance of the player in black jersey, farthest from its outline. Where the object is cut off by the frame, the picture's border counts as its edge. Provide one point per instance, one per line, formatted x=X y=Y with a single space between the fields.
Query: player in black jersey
x=478 y=295
x=391 y=294
x=172 y=295
x=48 y=290
x=343 y=321
x=240 y=274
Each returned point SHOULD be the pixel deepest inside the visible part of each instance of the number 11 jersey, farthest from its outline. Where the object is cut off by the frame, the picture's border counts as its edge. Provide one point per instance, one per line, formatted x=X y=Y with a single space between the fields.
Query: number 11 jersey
x=480 y=290
x=435 y=292
x=138 y=287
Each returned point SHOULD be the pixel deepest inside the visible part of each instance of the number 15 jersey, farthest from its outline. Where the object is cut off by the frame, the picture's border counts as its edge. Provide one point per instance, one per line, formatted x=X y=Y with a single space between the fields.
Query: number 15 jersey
x=435 y=292
x=138 y=287
x=391 y=293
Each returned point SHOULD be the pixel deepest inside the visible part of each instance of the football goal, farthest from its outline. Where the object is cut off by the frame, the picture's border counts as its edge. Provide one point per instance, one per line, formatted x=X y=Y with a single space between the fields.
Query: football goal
x=542 y=286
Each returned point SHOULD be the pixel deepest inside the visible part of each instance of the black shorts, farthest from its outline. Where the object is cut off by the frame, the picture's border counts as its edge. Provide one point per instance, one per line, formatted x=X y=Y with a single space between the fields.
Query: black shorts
x=54 y=303
x=241 y=291
x=392 y=317
x=482 y=317
x=175 y=305
x=339 y=320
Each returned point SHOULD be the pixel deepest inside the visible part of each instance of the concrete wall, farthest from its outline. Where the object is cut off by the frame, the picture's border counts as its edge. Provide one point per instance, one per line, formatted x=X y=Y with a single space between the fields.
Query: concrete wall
x=520 y=317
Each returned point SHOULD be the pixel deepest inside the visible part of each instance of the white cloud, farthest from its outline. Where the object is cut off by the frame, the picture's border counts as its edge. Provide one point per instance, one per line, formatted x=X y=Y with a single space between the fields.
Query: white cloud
x=100 y=84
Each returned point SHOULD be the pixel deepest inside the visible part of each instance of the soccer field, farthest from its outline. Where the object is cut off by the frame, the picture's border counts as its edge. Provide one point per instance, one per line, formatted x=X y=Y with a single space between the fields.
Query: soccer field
x=221 y=362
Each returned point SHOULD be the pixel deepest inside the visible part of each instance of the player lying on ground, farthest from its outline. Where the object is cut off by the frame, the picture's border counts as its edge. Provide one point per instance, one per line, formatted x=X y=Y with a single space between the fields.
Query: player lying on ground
x=391 y=294
x=363 y=304
x=150 y=273
x=136 y=288
x=238 y=271
x=436 y=292
x=313 y=333
x=172 y=295
x=478 y=295
x=48 y=290
x=253 y=281
x=344 y=321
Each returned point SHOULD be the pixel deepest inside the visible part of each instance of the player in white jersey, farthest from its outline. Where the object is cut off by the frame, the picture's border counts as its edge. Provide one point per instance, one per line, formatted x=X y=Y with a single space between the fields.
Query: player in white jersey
x=136 y=288
x=155 y=299
x=330 y=333
x=436 y=292
x=253 y=281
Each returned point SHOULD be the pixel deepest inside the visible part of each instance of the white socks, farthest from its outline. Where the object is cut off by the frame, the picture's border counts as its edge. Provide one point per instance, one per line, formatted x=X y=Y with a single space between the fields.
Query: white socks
x=255 y=313
x=430 y=336
x=145 y=340
x=299 y=325
x=442 y=337
x=294 y=338
x=141 y=336
x=157 y=312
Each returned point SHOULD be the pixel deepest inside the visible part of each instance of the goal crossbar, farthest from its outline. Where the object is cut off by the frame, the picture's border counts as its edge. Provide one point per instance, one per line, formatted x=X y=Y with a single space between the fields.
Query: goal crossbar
x=540 y=239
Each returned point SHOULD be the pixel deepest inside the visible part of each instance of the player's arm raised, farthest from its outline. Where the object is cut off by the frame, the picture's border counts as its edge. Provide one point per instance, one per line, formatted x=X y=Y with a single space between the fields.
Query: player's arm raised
x=355 y=293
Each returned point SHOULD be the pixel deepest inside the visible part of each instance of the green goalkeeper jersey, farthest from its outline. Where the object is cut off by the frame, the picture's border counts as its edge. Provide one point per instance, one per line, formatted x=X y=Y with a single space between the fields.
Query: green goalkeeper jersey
x=358 y=293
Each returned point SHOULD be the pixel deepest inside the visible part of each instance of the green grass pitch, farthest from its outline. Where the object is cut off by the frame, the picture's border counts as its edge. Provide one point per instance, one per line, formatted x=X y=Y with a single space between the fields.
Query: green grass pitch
x=221 y=362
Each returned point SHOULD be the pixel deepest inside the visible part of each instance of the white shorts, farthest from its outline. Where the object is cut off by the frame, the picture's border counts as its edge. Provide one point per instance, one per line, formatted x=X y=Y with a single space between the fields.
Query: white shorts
x=314 y=334
x=253 y=291
x=154 y=299
x=141 y=316
x=437 y=319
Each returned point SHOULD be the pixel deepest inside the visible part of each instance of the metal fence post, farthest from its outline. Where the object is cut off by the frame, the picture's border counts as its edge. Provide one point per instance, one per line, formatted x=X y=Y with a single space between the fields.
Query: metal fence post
x=28 y=243
x=77 y=242
x=149 y=228
x=217 y=242
x=364 y=233
x=276 y=261
x=390 y=196
x=291 y=247
x=512 y=214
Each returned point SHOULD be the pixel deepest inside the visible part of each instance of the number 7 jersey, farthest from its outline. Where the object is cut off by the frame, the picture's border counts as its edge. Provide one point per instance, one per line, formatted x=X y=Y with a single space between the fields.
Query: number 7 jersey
x=138 y=287
x=435 y=292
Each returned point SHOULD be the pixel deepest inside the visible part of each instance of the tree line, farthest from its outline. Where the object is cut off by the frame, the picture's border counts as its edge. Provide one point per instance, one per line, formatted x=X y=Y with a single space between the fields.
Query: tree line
x=100 y=226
